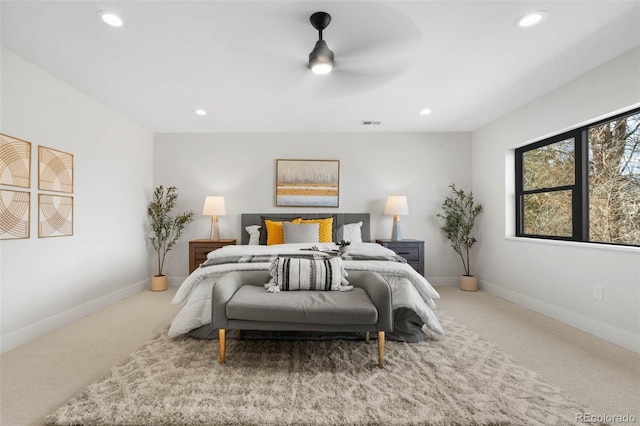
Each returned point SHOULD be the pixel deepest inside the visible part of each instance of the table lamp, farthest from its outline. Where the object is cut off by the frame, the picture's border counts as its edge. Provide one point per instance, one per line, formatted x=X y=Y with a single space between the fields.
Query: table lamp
x=396 y=205
x=214 y=207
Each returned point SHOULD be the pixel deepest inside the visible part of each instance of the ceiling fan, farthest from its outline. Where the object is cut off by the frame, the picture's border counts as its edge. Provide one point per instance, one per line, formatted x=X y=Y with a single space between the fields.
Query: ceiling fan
x=321 y=57
x=368 y=56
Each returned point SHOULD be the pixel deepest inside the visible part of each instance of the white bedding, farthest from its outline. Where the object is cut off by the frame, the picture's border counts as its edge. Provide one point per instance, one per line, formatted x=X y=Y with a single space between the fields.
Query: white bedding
x=409 y=289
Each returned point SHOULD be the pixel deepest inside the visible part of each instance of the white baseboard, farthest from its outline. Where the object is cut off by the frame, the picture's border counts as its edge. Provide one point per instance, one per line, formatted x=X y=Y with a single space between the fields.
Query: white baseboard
x=444 y=281
x=33 y=331
x=599 y=329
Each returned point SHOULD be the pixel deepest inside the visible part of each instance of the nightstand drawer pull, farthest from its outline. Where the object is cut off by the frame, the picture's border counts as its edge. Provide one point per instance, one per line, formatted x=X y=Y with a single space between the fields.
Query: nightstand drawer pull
x=409 y=253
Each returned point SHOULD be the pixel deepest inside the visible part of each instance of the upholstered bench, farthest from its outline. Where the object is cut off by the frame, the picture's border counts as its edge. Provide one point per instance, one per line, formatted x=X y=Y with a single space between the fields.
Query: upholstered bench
x=241 y=302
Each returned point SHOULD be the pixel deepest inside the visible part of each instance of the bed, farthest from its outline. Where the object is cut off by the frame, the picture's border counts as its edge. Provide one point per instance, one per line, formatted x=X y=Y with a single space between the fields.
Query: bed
x=413 y=296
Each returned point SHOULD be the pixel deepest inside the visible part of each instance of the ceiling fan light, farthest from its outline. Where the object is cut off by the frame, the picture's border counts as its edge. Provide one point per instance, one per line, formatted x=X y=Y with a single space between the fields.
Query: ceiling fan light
x=321 y=58
x=321 y=69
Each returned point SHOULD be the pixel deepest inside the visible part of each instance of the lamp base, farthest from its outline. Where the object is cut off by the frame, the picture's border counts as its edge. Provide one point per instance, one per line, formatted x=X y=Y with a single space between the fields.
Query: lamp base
x=396 y=231
x=215 y=233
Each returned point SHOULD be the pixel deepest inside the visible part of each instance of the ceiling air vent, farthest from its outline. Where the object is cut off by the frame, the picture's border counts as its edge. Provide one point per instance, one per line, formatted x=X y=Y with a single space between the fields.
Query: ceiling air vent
x=370 y=123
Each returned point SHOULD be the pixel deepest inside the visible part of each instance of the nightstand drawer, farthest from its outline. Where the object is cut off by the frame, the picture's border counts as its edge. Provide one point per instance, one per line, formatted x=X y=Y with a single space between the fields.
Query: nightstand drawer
x=409 y=252
x=198 y=250
x=415 y=265
x=201 y=252
x=412 y=250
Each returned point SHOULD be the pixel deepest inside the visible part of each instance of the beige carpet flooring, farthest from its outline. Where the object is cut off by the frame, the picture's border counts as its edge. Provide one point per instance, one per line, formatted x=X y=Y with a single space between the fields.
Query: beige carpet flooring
x=456 y=380
x=39 y=377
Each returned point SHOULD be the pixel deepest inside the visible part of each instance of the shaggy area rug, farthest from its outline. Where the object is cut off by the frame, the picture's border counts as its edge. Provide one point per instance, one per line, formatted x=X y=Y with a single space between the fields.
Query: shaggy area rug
x=457 y=379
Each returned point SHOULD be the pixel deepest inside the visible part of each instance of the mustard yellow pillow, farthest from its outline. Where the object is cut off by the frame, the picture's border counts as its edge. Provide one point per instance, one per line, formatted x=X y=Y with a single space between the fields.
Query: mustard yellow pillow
x=275 y=233
x=326 y=228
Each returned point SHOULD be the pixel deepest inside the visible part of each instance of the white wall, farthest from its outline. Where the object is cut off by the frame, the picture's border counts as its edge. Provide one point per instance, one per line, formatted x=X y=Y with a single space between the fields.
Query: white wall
x=48 y=282
x=241 y=167
x=557 y=279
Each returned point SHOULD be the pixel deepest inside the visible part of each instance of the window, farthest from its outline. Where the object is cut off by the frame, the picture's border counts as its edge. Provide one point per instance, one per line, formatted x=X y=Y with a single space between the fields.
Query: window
x=583 y=185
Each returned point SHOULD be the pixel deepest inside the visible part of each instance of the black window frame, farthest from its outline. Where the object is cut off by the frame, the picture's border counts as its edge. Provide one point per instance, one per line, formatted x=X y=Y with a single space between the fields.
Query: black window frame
x=579 y=189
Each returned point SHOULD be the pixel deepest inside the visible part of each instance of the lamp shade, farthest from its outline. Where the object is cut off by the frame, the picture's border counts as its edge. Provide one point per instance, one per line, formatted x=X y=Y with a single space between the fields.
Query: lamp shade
x=397 y=205
x=321 y=58
x=214 y=206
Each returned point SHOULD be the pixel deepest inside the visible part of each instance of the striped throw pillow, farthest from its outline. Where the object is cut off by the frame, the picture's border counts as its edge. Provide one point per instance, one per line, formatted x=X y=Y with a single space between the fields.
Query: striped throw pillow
x=297 y=273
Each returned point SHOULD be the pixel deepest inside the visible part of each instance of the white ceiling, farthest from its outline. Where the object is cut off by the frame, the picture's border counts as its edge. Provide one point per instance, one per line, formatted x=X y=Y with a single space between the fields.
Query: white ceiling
x=245 y=62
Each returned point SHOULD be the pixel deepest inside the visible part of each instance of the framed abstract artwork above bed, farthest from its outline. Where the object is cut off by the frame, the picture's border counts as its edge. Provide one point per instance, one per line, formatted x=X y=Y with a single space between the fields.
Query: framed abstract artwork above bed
x=307 y=183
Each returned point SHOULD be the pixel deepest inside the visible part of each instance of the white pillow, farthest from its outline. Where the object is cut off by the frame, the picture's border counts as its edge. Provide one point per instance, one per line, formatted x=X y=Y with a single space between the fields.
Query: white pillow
x=350 y=232
x=254 y=234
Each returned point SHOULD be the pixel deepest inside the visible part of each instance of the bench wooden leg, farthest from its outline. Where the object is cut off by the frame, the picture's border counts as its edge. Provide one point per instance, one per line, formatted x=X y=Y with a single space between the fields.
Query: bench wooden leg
x=366 y=337
x=222 y=339
x=239 y=336
x=381 y=349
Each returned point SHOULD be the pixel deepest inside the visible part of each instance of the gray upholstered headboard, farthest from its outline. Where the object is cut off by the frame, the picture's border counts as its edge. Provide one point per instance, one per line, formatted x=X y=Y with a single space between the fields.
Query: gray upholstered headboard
x=248 y=219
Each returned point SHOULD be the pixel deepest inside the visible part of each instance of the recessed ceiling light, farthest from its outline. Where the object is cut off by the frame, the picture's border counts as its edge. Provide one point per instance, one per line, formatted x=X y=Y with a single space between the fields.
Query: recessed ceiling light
x=425 y=111
x=110 y=18
x=531 y=19
x=201 y=112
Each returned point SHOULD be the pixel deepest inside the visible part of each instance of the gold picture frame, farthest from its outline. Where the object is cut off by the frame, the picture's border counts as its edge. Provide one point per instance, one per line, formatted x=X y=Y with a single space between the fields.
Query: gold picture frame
x=55 y=170
x=307 y=183
x=55 y=215
x=15 y=161
x=15 y=214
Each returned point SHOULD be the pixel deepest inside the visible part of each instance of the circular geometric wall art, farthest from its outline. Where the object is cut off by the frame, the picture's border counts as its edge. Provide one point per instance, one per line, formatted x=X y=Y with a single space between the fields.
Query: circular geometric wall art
x=55 y=216
x=55 y=170
x=15 y=161
x=14 y=214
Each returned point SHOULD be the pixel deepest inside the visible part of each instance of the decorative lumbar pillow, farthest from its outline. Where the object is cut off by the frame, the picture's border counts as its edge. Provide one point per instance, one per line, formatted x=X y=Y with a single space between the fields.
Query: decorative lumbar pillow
x=300 y=232
x=307 y=273
x=275 y=234
x=254 y=234
x=350 y=232
x=326 y=228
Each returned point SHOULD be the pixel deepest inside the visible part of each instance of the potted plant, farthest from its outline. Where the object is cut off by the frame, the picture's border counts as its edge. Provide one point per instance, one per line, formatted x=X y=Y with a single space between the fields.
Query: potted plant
x=459 y=213
x=165 y=230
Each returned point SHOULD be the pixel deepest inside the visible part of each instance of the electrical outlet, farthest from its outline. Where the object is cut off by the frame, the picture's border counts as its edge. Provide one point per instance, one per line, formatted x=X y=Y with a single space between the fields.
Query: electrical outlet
x=597 y=292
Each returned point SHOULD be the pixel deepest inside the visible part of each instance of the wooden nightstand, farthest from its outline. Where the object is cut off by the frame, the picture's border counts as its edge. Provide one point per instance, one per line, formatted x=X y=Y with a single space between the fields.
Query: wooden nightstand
x=198 y=250
x=412 y=250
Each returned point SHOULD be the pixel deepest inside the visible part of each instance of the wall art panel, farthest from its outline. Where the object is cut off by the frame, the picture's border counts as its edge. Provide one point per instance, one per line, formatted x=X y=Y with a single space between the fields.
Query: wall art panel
x=55 y=170
x=15 y=161
x=55 y=213
x=14 y=214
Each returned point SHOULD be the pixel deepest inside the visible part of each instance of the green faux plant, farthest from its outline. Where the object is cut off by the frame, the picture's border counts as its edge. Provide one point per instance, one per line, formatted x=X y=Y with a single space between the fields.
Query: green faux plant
x=459 y=213
x=165 y=230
